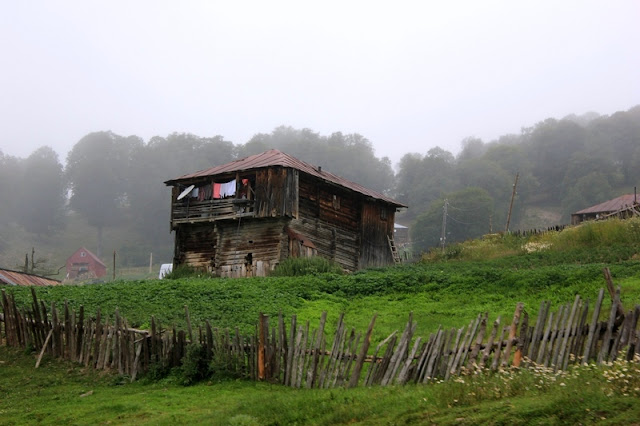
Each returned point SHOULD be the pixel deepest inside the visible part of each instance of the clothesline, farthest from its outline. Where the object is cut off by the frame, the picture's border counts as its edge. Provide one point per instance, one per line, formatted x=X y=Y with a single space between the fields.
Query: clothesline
x=217 y=190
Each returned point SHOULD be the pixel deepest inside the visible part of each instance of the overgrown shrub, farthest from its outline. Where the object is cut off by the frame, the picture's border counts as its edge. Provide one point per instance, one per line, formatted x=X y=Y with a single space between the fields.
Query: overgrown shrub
x=194 y=365
x=183 y=271
x=299 y=266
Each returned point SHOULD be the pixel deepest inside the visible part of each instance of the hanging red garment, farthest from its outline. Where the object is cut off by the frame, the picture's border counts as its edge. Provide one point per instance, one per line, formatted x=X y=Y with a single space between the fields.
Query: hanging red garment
x=216 y=190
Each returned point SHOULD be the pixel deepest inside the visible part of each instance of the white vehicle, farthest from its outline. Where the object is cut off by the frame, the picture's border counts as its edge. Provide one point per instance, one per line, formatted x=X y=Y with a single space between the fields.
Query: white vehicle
x=165 y=268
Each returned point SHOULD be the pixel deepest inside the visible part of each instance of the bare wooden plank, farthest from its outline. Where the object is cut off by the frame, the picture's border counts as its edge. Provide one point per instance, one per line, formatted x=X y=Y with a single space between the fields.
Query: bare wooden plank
x=453 y=370
x=633 y=340
x=537 y=330
x=606 y=340
x=498 y=352
x=313 y=370
x=349 y=360
x=612 y=292
x=558 y=337
x=384 y=362
x=355 y=376
x=539 y=359
x=566 y=331
x=188 y=318
x=304 y=357
x=487 y=349
x=44 y=347
x=261 y=347
x=423 y=358
x=400 y=352
x=403 y=375
x=512 y=333
x=291 y=351
x=343 y=365
x=454 y=353
x=375 y=360
x=472 y=360
x=327 y=373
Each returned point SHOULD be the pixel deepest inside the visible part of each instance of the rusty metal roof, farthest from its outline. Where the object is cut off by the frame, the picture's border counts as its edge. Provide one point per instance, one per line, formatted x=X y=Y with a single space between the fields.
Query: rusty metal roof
x=622 y=202
x=274 y=157
x=10 y=277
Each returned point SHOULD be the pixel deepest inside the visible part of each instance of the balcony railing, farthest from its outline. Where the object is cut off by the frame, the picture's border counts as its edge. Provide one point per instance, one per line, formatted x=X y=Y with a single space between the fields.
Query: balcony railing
x=190 y=211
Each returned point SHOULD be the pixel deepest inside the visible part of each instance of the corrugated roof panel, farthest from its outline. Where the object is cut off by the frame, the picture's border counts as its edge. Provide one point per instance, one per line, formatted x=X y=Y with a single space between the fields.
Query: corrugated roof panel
x=614 y=205
x=10 y=277
x=274 y=157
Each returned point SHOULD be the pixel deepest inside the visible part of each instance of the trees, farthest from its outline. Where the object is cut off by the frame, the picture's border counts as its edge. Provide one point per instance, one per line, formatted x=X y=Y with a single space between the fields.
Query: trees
x=10 y=174
x=421 y=180
x=551 y=145
x=97 y=172
x=154 y=163
x=350 y=156
x=469 y=214
x=41 y=196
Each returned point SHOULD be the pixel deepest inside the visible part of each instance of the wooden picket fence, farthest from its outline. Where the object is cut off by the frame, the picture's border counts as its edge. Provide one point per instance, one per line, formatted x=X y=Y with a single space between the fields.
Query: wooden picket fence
x=300 y=357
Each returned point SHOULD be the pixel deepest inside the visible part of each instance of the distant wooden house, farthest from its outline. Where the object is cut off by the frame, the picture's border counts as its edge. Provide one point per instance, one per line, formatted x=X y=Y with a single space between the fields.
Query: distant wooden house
x=16 y=278
x=85 y=265
x=243 y=218
x=623 y=207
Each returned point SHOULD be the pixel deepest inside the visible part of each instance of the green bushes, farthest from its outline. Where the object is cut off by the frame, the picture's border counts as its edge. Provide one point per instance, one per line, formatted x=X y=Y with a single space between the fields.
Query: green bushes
x=300 y=266
x=183 y=271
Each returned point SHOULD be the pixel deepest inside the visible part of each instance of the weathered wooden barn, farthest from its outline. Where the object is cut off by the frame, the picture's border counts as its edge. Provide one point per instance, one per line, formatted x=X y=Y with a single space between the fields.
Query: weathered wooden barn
x=243 y=218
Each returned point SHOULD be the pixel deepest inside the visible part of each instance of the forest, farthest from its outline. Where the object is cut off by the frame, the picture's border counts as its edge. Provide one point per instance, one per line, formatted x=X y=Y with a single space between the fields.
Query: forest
x=115 y=182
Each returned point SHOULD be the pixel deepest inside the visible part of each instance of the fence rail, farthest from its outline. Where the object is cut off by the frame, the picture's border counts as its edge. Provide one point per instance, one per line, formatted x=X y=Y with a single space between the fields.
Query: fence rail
x=301 y=357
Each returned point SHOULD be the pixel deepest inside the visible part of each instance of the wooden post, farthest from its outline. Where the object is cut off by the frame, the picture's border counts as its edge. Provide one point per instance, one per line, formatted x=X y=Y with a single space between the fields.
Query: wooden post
x=355 y=376
x=261 y=342
x=188 y=318
x=513 y=195
x=612 y=293
x=512 y=333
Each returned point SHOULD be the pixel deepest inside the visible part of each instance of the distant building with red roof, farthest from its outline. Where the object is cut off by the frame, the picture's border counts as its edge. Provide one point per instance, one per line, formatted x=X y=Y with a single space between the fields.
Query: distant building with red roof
x=623 y=206
x=84 y=264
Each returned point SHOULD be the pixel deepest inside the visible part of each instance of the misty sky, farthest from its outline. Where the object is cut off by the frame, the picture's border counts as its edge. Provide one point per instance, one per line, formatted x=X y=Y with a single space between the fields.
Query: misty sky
x=408 y=75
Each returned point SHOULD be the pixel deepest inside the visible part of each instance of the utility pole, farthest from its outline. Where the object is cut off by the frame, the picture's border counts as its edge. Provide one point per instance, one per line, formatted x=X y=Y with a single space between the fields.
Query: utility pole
x=443 y=237
x=513 y=195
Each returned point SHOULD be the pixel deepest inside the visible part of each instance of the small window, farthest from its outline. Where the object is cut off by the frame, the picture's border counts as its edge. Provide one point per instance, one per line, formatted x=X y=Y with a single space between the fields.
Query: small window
x=83 y=254
x=336 y=202
x=383 y=213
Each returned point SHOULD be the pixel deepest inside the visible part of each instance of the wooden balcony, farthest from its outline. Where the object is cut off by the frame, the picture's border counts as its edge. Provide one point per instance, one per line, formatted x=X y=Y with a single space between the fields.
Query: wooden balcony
x=190 y=211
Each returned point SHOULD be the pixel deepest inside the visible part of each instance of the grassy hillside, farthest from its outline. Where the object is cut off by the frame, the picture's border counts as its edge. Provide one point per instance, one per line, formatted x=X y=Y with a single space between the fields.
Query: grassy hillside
x=448 y=289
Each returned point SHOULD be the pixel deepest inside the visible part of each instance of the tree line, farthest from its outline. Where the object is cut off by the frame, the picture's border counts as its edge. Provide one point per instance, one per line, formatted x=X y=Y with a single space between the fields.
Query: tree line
x=117 y=181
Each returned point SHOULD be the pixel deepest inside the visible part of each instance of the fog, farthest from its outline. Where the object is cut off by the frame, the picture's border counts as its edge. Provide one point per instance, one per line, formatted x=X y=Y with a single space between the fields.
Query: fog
x=408 y=76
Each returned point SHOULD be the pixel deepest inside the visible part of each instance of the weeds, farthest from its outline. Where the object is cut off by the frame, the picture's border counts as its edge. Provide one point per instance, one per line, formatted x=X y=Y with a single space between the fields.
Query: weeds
x=300 y=266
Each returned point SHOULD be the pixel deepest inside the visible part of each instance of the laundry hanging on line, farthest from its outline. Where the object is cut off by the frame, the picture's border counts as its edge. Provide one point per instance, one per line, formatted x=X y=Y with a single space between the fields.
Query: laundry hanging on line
x=228 y=189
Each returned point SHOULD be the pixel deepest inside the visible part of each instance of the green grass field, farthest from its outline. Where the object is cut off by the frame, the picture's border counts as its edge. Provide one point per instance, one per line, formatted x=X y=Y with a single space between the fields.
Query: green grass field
x=448 y=292
x=61 y=393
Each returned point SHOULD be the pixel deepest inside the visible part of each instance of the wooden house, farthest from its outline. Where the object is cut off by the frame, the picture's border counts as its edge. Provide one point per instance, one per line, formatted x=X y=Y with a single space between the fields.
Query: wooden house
x=85 y=265
x=243 y=218
x=621 y=207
